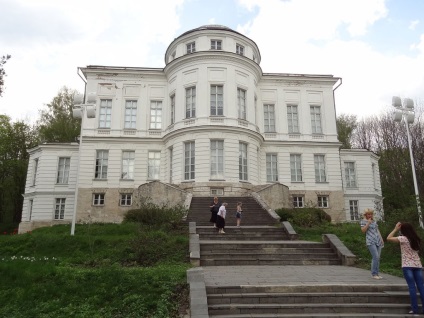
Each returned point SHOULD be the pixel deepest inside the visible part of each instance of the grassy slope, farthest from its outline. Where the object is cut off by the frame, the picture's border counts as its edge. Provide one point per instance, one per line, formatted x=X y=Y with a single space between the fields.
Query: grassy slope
x=48 y=273
x=97 y=272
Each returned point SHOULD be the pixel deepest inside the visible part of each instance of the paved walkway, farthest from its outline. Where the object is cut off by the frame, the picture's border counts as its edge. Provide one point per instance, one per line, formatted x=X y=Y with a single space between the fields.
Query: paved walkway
x=293 y=276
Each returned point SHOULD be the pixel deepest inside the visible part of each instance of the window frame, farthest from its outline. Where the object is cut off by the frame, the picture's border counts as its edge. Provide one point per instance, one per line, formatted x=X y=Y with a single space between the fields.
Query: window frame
x=320 y=169
x=102 y=164
x=172 y=102
x=269 y=123
x=323 y=201
x=189 y=160
x=191 y=47
x=350 y=174
x=123 y=199
x=98 y=199
x=241 y=102
x=34 y=171
x=216 y=45
x=153 y=164
x=293 y=119
x=354 y=210
x=271 y=160
x=216 y=159
x=217 y=100
x=62 y=176
x=130 y=114
x=296 y=167
x=105 y=113
x=190 y=105
x=59 y=208
x=243 y=162
x=316 y=119
x=127 y=164
x=298 y=204
x=156 y=109
x=240 y=49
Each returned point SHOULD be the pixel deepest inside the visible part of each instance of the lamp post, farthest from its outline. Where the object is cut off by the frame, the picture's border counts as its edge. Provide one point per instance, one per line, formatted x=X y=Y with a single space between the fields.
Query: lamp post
x=406 y=113
x=79 y=110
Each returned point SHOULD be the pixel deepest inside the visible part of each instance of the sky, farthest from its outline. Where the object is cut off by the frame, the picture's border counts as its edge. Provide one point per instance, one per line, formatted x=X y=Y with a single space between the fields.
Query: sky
x=375 y=46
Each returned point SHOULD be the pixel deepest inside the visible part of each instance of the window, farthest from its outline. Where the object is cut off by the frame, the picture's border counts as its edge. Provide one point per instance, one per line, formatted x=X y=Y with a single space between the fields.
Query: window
x=126 y=199
x=191 y=102
x=59 y=209
x=374 y=180
x=319 y=162
x=241 y=99
x=217 y=100
x=34 y=172
x=191 y=47
x=102 y=158
x=153 y=165
x=171 y=160
x=189 y=159
x=323 y=201
x=316 y=119
x=271 y=167
x=217 y=159
x=31 y=204
x=130 y=114
x=105 y=113
x=63 y=170
x=295 y=168
x=243 y=161
x=128 y=165
x=350 y=174
x=269 y=118
x=292 y=118
x=217 y=192
x=298 y=202
x=172 y=109
x=155 y=115
x=239 y=49
x=216 y=45
x=354 y=210
x=98 y=199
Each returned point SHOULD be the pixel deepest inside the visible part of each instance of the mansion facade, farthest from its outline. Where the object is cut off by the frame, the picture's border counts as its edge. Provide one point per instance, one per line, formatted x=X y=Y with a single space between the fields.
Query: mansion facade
x=209 y=123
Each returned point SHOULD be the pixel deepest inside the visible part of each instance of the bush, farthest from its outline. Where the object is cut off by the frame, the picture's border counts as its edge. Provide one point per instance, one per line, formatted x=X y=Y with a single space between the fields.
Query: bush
x=306 y=217
x=152 y=215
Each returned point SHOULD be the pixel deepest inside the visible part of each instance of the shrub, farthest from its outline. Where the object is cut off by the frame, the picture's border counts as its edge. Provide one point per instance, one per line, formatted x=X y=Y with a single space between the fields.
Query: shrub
x=152 y=215
x=306 y=217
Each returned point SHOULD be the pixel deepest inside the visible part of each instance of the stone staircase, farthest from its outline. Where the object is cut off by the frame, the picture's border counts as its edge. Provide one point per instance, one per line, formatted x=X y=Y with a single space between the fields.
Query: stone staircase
x=263 y=242
x=295 y=301
x=253 y=213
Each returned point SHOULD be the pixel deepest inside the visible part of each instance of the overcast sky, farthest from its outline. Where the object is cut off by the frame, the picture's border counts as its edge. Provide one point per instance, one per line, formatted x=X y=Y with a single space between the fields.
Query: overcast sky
x=375 y=46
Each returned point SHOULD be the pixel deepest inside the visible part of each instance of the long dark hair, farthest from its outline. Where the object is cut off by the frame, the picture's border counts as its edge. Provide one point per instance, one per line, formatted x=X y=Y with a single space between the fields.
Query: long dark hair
x=412 y=236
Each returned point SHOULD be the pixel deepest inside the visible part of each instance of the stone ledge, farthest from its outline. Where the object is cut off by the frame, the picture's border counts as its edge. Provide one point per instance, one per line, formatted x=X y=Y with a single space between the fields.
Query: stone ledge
x=347 y=257
x=198 y=298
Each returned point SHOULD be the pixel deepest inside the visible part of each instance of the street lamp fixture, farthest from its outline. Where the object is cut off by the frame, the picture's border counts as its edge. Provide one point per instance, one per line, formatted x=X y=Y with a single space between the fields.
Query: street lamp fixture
x=80 y=109
x=406 y=113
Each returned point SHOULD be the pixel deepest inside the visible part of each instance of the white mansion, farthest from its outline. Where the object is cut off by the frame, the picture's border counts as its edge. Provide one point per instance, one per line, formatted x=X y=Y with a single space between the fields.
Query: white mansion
x=209 y=123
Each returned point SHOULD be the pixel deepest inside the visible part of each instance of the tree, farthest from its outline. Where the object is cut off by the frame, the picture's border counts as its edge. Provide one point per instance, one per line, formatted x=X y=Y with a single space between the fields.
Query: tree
x=56 y=123
x=15 y=140
x=346 y=124
x=3 y=61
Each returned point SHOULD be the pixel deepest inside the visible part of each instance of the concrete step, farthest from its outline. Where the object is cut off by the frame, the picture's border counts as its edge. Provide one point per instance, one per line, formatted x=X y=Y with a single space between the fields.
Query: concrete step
x=266 y=256
x=206 y=245
x=312 y=298
x=233 y=261
x=269 y=251
x=306 y=308
x=318 y=315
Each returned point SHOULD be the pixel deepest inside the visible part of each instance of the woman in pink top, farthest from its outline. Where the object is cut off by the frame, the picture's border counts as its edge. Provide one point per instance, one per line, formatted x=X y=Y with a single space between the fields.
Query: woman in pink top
x=410 y=244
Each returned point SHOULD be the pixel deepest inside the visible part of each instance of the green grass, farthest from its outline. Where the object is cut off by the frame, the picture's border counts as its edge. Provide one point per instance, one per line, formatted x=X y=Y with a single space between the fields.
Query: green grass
x=123 y=270
x=96 y=273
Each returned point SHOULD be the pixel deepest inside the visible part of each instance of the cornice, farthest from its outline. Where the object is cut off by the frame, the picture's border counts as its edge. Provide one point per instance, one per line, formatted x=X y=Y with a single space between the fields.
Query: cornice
x=203 y=56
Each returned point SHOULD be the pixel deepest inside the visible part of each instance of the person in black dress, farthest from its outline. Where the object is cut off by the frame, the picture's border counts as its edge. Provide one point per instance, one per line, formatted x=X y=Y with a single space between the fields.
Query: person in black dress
x=214 y=210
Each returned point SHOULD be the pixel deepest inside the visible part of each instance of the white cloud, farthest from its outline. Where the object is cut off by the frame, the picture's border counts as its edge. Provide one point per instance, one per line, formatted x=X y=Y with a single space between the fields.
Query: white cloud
x=413 y=24
x=295 y=45
x=47 y=51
